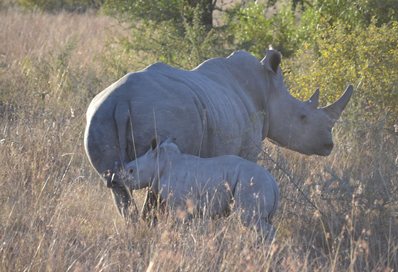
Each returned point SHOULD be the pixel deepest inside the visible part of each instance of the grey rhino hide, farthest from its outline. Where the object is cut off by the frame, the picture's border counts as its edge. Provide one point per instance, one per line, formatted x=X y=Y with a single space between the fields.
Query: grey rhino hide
x=224 y=106
x=207 y=186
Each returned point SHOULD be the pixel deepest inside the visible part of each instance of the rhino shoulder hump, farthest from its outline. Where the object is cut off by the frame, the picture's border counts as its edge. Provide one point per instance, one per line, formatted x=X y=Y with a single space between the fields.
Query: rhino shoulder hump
x=158 y=66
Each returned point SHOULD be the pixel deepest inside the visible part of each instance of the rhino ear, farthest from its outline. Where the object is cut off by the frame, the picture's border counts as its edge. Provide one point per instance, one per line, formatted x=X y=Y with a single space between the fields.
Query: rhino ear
x=272 y=60
x=169 y=140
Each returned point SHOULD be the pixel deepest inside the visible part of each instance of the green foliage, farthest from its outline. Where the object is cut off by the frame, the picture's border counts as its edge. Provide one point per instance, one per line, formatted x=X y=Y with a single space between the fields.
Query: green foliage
x=350 y=12
x=55 y=5
x=358 y=12
x=172 y=11
x=254 y=28
x=183 y=46
x=154 y=10
x=177 y=32
x=365 y=56
x=253 y=31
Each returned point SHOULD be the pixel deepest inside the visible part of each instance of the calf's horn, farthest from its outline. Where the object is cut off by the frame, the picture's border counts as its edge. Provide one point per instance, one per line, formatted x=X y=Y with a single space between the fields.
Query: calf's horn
x=334 y=110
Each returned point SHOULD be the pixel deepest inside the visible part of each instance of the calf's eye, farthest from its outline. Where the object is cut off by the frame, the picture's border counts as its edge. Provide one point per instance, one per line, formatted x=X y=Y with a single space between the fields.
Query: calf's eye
x=131 y=171
x=303 y=117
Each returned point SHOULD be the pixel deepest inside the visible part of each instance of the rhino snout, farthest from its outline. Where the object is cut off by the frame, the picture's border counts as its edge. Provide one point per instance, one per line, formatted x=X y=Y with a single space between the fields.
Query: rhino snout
x=326 y=149
x=329 y=146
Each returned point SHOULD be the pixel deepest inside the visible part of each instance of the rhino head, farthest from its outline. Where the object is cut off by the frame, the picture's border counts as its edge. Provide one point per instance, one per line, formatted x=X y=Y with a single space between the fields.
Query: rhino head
x=298 y=125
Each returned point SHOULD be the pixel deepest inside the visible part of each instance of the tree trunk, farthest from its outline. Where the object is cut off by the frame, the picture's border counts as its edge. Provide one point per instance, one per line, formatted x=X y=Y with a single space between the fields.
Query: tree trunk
x=206 y=7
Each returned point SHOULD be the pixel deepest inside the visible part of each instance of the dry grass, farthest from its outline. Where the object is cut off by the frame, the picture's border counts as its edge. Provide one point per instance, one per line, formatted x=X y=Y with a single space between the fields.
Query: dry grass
x=337 y=213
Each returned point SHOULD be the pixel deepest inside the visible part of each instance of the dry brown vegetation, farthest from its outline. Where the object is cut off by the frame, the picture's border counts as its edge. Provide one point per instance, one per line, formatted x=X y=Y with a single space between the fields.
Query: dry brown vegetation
x=337 y=213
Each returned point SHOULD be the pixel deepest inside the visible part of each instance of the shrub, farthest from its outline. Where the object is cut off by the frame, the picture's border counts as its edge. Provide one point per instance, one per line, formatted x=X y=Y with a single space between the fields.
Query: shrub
x=357 y=12
x=184 y=45
x=158 y=11
x=56 y=5
x=365 y=56
x=253 y=31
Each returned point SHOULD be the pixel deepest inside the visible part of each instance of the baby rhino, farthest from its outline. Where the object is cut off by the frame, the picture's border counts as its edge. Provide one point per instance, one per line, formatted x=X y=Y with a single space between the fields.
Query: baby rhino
x=207 y=186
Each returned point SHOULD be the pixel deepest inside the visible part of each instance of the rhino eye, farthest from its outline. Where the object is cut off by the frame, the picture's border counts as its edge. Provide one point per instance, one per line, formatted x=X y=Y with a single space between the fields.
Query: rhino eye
x=303 y=117
x=131 y=171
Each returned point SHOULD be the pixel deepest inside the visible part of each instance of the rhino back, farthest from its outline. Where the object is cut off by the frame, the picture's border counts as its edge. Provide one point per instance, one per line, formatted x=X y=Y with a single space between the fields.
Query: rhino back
x=152 y=110
x=206 y=111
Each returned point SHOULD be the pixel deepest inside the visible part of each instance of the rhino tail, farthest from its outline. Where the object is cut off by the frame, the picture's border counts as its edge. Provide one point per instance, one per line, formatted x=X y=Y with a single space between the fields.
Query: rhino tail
x=122 y=118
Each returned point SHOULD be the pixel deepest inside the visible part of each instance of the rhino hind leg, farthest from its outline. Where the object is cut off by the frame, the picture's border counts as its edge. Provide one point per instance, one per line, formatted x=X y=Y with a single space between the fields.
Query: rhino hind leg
x=253 y=213
x=266 y=231
x=258 y=220
x=148 y=211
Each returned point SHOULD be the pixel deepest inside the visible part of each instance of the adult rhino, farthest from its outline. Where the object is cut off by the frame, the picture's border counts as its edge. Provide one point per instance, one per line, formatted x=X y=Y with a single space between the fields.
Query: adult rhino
x=225 y=106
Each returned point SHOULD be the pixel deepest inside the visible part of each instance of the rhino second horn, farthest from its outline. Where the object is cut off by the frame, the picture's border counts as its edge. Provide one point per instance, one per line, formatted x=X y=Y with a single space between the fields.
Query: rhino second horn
x=314 y=100
x=334 y=110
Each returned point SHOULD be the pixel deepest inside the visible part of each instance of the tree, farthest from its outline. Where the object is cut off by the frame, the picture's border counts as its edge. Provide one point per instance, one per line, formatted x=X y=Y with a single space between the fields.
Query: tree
x=176 y=11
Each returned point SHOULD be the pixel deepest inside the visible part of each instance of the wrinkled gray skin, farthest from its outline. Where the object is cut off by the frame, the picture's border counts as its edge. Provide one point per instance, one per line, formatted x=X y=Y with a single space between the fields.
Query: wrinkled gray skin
x=207 y=186
x=224 y=106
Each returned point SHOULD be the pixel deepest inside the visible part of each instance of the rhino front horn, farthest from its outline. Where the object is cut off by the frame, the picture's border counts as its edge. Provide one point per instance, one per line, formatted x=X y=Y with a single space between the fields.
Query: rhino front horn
x=334 y=110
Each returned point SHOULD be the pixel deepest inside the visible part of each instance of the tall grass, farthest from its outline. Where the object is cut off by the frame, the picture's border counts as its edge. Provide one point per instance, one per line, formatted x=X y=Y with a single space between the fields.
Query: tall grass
x=337 y=213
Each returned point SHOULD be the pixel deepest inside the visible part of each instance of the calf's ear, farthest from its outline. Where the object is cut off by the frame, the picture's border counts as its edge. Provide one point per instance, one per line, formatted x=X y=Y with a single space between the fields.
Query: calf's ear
x=169 y=140
x=154 y=143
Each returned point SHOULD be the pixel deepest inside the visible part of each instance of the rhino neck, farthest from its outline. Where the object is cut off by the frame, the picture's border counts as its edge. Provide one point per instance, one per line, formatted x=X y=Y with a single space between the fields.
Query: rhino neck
x=271 y=98
x=278 y=106
x=265 y=124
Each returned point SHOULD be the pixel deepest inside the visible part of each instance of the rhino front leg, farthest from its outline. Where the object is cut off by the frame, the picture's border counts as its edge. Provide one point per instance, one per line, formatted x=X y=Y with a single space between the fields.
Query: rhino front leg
x=148 y=212
x=123 y=202
x=121 y=195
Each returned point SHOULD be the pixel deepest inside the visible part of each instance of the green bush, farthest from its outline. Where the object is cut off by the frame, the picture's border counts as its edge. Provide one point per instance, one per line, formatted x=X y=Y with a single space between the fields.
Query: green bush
x=155 y=10
x=173 y=11
x=357 y=12
x=365 y=56
x=253 y=31
x=56 y=5
x=184 y=45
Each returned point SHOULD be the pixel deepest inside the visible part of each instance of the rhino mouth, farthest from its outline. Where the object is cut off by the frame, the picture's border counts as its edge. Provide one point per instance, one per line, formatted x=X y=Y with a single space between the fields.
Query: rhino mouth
x=326 y=149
